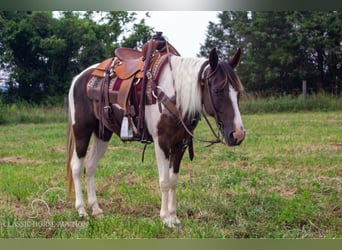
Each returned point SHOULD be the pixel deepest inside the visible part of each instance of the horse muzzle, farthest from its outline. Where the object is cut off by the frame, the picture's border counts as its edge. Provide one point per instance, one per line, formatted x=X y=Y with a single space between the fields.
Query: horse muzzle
x=235 y=138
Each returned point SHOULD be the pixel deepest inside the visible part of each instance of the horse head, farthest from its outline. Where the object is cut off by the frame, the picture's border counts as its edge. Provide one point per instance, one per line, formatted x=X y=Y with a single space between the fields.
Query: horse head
x=221 y=90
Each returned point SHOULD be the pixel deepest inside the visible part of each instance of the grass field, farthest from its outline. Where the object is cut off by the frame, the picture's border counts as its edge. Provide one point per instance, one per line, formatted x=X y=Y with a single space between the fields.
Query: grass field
x=284 y=181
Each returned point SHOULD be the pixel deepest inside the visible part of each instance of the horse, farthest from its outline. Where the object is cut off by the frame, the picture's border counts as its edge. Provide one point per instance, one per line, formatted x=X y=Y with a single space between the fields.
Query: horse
x=195 y=87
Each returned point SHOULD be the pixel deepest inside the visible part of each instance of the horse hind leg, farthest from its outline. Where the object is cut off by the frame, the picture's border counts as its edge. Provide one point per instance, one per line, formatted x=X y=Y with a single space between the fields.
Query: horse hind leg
x=77 y=169
x=97 y=150
x=77 y=149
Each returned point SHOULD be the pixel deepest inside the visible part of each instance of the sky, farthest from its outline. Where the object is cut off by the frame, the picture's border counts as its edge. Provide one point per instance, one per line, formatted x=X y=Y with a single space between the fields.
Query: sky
x=185 y=30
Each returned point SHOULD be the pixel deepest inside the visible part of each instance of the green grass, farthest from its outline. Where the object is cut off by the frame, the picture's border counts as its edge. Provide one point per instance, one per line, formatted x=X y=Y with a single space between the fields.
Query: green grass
x=28 y=113
x=284 y=181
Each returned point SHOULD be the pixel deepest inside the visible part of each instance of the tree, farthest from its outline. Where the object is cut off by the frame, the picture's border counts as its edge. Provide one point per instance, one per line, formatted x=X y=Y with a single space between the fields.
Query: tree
x=320 y=37
x=21 y=38
x=44 y=52
x=139 y=35
x=280 y=48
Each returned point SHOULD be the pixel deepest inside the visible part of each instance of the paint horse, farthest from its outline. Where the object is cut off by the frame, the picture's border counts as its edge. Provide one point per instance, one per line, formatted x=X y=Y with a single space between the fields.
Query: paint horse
x=184 y=88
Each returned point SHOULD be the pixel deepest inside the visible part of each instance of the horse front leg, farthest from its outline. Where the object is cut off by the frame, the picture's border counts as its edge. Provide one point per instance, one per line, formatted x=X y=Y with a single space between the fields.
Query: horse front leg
x=172 y=206
x=167 y=182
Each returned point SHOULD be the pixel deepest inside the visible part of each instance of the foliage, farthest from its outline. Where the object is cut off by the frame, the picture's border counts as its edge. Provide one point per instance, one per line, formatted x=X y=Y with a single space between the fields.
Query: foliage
x=44 y=52
x=280 y=49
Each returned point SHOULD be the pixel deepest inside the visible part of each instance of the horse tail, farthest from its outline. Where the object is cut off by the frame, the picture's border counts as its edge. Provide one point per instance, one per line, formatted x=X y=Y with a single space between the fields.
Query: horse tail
x=70 y=151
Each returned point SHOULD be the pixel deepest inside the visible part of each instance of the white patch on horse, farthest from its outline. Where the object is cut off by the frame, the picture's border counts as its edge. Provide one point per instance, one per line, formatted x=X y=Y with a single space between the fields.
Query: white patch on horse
x=71 y=93
x=152 y=118
x=237 y=116
x=165 y=81
x=77 y=167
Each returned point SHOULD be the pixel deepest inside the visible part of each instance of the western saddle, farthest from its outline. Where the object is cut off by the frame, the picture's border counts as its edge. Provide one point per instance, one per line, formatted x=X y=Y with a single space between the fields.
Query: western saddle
x=121 y=86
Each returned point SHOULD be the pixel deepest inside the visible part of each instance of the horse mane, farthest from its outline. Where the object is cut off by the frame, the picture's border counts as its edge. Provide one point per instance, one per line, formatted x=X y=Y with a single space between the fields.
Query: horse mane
x=188 y=91
x=231 y=76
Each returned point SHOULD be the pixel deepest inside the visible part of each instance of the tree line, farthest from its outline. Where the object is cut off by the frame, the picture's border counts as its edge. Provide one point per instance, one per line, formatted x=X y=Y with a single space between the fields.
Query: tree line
x=281 y=49
x=45 y=50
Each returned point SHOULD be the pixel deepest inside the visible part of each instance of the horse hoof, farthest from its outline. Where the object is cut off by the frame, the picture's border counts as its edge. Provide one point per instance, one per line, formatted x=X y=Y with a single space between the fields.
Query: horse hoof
x=97 y=214
x=173 y=223
x=177 y=225
x=83 y=216
x=82 y=213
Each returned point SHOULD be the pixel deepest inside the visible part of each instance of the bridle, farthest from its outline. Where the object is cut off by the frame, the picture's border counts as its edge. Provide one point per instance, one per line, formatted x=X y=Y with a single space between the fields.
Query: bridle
x=204 y=80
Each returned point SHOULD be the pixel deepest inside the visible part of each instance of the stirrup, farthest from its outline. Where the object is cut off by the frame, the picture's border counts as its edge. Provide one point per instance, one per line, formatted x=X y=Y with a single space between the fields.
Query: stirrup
x=126 y=132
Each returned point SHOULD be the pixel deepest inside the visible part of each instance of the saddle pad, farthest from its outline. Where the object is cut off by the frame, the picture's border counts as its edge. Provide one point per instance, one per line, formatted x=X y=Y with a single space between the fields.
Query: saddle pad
x=94 y=84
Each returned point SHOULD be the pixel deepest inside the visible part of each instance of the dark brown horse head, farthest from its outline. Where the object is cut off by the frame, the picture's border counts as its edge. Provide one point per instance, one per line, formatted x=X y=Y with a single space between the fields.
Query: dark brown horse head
x=221 y=91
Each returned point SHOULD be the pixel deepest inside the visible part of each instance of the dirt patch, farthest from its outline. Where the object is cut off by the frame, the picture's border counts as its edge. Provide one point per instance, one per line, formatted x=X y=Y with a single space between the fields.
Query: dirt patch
x=57 y=149
x=18 y=160
x=284 y=192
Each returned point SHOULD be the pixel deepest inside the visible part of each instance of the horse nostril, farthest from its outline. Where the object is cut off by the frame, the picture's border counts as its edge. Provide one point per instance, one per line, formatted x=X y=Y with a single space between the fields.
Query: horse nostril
x=231 y=140
x=236 y=137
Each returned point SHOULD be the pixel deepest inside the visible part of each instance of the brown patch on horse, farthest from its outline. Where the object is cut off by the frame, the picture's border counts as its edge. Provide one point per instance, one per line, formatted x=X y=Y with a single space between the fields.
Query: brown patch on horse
x=173 y=139
x=86 y=122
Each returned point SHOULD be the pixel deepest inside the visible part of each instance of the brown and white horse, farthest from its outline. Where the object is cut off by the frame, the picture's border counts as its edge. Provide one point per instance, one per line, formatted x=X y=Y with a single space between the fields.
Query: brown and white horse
x=193 y=84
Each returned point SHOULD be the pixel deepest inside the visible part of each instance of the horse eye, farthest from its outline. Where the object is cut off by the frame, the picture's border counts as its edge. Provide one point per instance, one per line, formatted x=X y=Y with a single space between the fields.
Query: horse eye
x=218 y=91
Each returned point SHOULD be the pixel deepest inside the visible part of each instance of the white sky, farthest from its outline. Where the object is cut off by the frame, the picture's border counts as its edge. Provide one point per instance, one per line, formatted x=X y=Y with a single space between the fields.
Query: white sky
x=185 y=30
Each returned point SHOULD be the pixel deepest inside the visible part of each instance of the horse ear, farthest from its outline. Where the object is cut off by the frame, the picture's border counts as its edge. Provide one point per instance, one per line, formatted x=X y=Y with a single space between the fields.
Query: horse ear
x=213 y=58
x=234 y=61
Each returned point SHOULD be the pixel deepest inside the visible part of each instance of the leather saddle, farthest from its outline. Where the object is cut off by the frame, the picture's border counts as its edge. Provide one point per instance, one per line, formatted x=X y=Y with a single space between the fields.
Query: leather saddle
x=111 y=83
x=127 y=65
x=130 y=62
